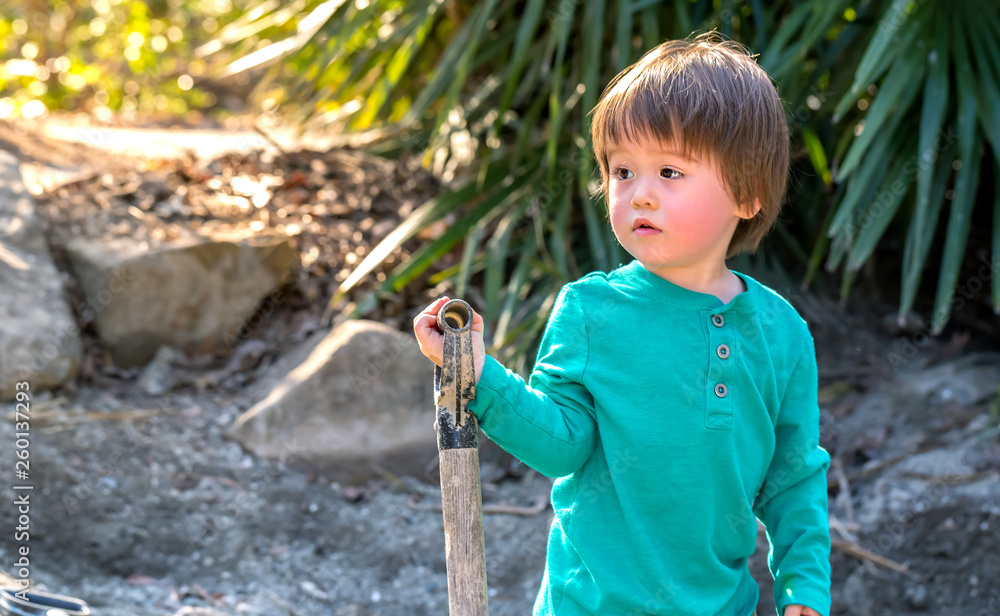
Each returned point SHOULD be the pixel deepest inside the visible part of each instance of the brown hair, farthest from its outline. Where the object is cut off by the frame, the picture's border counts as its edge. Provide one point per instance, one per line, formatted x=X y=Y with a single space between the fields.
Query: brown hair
x=709 y=97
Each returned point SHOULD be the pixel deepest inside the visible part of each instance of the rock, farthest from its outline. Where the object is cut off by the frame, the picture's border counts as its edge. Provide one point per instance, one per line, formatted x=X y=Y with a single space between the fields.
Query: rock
x=189 y=610
x=195 y=292
x=916 y=597
x=858 y=594
x=39 y=338
x=158 y=377
x=344 y=401
x=353 y=609
x=312 y=590
x=918 y=403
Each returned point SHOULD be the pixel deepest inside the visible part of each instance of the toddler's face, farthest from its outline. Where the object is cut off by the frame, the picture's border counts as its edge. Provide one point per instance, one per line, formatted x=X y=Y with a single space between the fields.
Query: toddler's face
x=691 y=212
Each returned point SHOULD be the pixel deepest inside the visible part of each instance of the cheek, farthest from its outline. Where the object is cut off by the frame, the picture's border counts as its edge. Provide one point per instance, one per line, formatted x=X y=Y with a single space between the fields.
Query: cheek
x=698 y=226
x=618 y=210
x=687 y=220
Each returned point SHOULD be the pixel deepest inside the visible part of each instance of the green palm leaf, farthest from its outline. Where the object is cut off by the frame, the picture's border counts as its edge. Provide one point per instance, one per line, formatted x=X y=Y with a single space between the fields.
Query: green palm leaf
x=518 y=78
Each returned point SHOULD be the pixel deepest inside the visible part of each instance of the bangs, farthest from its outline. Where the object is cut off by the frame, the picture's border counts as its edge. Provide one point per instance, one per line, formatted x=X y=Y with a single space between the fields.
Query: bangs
x=650 y=110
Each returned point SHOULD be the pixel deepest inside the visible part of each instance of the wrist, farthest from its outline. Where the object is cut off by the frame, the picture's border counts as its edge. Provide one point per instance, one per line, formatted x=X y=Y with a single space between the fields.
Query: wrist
x=478 y=363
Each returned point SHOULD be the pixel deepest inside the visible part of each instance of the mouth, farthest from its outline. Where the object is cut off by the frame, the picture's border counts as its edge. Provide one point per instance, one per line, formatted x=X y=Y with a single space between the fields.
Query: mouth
x=643 y=224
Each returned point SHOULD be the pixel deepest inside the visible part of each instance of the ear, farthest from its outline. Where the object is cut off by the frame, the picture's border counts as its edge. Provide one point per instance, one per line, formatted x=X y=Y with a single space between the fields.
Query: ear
x=756 y=208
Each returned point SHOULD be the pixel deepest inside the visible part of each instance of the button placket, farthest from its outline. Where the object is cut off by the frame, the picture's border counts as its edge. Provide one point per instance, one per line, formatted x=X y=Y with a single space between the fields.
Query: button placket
x=721 y=373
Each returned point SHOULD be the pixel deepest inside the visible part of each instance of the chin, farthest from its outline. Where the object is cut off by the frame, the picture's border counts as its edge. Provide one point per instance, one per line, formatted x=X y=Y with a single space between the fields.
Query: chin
x=653 y=259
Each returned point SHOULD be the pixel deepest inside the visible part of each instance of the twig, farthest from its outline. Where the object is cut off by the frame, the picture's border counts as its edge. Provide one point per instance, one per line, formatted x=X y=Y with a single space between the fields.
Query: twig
x=831 y=373
x=55 y=429
x=395 y=480
x=955 y=479
x=56 y=416
x=973 y=322
x=852 y=548
x=868 y=470
x=283 y=604
x=390 y=477
x=543 y=504
x=42 y=405
x=266 y=134
x=845 y=487
x=842 y=528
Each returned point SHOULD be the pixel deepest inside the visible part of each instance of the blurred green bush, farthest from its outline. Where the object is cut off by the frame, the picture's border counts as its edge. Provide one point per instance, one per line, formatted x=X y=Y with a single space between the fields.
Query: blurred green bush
x=110 y=57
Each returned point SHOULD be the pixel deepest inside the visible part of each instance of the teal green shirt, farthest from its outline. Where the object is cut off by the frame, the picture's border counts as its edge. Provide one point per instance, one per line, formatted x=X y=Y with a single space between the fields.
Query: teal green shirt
x=671 y=422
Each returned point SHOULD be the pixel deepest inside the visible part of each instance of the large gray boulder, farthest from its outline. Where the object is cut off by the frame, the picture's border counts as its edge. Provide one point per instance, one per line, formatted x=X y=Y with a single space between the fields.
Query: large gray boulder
x=39 y=338
x=346 y=401
x=194 y=292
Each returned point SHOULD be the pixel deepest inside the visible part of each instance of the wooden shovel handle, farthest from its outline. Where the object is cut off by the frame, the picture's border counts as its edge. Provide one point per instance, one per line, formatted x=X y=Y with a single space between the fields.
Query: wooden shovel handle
x=458 y=455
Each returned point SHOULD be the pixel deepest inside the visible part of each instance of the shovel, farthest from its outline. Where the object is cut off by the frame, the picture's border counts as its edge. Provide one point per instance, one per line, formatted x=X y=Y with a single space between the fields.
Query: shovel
x=458 y=455
x=15 y=602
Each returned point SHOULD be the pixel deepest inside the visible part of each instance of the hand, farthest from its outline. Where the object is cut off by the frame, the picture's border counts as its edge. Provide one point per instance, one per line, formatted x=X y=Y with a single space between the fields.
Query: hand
x=431 y=341
x=800 y=610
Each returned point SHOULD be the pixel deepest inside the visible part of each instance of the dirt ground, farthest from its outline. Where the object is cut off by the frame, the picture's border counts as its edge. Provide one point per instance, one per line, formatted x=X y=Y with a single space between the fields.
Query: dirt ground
x=147 y=513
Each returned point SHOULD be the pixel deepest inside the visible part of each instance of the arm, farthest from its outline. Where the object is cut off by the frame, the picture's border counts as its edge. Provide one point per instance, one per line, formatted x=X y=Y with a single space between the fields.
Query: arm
x=548 y=423
x=792 y=502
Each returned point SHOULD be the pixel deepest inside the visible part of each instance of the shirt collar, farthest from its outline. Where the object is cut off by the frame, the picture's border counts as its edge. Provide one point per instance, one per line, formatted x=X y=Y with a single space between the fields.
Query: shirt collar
x=682 y=297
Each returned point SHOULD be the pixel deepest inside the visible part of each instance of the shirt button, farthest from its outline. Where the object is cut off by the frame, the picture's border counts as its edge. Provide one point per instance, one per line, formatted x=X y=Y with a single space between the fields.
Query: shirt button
x=720 y=390
x=723 y=351
x=717 y=320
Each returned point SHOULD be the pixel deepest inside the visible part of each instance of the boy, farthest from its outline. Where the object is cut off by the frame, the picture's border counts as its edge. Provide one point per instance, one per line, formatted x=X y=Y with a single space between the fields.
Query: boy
x=673 y=400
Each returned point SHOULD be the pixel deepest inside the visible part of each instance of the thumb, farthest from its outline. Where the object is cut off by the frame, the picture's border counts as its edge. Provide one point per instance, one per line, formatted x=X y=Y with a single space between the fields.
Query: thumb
x=477 y=322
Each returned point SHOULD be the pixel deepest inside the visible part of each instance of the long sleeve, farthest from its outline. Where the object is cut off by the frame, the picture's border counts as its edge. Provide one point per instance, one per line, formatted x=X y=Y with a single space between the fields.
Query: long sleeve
x=792 y=502
x=548 y=423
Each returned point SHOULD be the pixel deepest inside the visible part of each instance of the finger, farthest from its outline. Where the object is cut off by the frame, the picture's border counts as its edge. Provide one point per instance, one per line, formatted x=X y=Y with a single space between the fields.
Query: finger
x=426 y=323
x=434 y=306
x=430 y=311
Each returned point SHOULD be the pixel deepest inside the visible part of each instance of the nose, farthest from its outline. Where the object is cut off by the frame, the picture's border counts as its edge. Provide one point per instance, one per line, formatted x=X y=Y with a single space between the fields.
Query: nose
x=644 y=195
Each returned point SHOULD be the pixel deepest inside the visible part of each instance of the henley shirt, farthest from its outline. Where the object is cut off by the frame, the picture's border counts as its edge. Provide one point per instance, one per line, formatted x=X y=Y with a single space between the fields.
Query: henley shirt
x=671 y=422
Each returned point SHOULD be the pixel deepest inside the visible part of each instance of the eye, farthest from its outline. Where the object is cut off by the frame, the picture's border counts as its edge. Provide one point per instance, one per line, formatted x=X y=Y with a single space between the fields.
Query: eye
x=666 y=171
x=618 y=172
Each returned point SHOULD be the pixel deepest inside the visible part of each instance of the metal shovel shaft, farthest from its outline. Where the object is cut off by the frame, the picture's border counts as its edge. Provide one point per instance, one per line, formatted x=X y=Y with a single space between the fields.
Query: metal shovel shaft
x=458 y=456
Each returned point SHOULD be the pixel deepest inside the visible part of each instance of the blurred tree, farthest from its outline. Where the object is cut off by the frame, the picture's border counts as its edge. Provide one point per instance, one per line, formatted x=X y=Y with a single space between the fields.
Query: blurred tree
x=110 y=56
